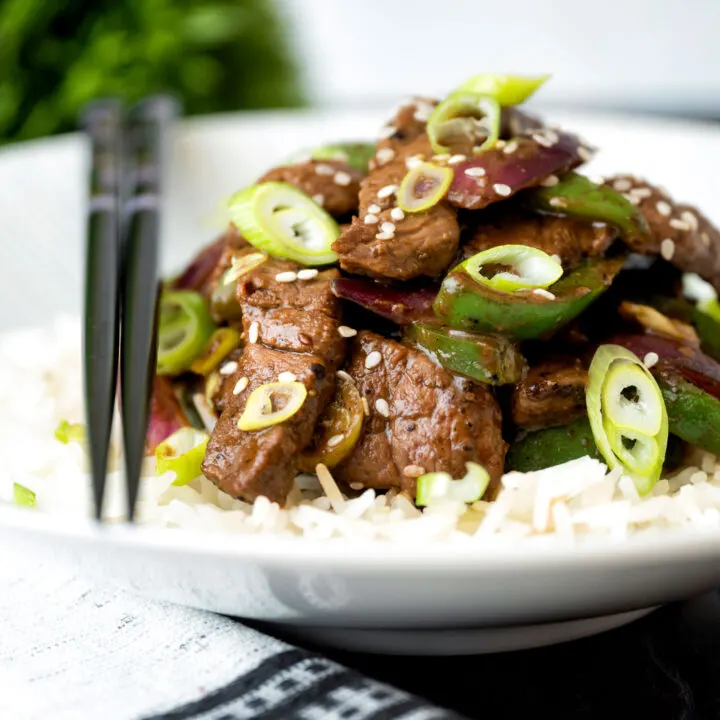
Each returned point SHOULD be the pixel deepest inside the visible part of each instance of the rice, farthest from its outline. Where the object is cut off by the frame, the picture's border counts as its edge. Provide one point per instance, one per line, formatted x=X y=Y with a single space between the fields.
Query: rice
x=41 y=385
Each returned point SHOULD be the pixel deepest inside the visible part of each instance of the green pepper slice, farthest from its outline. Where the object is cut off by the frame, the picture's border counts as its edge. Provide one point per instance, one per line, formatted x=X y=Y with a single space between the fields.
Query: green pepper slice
x=577 y=196
x=490 y=359
x=185 y=328
x=465 y=304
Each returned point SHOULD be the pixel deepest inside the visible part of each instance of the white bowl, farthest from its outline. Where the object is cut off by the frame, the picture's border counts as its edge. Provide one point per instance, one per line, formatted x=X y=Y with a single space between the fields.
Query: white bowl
x=379 y=596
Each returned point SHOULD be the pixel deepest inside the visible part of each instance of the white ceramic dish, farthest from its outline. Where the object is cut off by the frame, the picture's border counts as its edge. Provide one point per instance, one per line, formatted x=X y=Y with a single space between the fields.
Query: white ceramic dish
x=388 y=598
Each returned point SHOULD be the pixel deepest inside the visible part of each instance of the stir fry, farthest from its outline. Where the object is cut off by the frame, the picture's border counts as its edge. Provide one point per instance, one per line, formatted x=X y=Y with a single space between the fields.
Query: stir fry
x=425 y=313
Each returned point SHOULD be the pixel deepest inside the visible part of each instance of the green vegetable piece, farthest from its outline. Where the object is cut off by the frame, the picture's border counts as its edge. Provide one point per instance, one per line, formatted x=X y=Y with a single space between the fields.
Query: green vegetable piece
x=67 y=432
x=355 y=154
x=182 y=453
x=465 y=304
x=436 y=487
x=184 y=329
x=282 y=221
x=465 y=123
x=552 y=446
x=490 y=359
x=22 y=496
x=576 y=196
x=693 y=414
x=705 y=312
x=506 y=89
x=627 y=415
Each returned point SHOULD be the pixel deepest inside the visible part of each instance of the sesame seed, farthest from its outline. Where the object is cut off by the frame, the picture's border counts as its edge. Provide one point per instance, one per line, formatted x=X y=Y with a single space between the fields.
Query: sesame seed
x=335 y=440
x=584 y=153
x=385 y=235
x=397 y=214
x=388 y=227
x=374 y=209
x=229 y=368
x=286 y=376
x=422 y=112
x=550 y=181
x=370 y=219
x=347 y=332
x=387 y=191
x=240 y=385
x=557 y=258
x=253 y=333
x=385 y=155
x=679 y=224
x=342 y=178
x=664 y=208
x=641 y=192
x=413 y=161
x=356 y=485
x=705 y=239
x=323 y=169
x=542 y=292
x=366 y=407
x=413 y=471
x=622 y=185
x=286 y=277
x=502 y=189
x=558 y=202
x=475 y=171
x=455 y=159
x=381 y=405
x=307 y=274
x=690 y=218
x=650 y=359
x=500 y=144
x=387 y=131
x=442 y=157
x=542 y=140
x=634 y=199
x=319 y=198
x=373 y=360
x=344 y=375
x=598 y=224
x=667 y=248
x=511 y=147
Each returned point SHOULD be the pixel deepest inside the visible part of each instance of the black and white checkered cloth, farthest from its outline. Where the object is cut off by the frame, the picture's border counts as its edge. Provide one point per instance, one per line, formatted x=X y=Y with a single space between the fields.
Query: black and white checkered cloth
x=70 y=650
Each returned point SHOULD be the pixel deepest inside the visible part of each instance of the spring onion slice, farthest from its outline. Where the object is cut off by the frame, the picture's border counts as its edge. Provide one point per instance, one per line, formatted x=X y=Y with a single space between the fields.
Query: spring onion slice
x=221 y=343
x=22 y=496
x=67 y=432
x=282 y=221
x=435 y=487
x=242 y=265
x=517 y=267
x=506 y=89
x=465 y=122
x=355 y=154
x=271 y=404
x=185 y=328
x=423 y=186
x=627 y=415
x=182 y=453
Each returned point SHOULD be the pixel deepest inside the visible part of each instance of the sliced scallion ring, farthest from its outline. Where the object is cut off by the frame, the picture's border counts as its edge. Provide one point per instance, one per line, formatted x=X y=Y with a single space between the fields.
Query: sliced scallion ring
x=282 y=221
x=182 y=453
x=633 y=438
x=435 y=487
x=242 y=265
x=185 y=328
x=423 y=186
x=67 y=432
x=506 y=89
x=271 y=404
x=509 y=268
x=221 y=343
x=23 y=496
x=465 y=123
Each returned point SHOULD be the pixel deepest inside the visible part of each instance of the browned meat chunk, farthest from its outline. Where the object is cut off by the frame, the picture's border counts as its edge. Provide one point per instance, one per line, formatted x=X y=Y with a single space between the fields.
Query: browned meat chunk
x=288 y=327
x=552 y=393
x=571 y=239
x=680 y=233
x=332 y=184
x=422 y=418
x=384 y=244
x=263 y=462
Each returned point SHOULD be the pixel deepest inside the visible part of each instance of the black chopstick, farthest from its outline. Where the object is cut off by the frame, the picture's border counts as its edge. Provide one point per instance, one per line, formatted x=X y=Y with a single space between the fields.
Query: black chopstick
x=141 y=287
x=103 y=124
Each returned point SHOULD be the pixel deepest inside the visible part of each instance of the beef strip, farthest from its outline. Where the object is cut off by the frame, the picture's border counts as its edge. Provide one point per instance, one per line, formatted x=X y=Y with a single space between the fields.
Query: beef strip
x=422 y=243
x=552 y=393
x=288 y=327
x=435 y=420
x=678 y=232
x=333 y=184
x=571 y=239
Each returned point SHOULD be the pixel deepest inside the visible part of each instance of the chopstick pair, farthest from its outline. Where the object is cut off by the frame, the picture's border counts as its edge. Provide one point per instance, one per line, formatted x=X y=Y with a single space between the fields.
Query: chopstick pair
x=121 y=279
